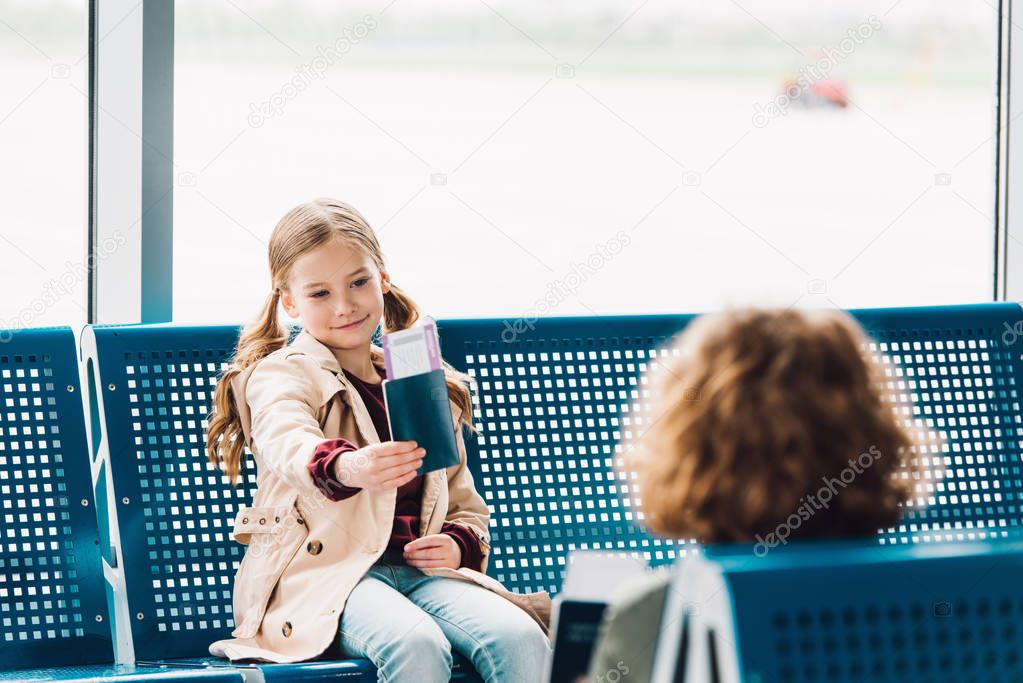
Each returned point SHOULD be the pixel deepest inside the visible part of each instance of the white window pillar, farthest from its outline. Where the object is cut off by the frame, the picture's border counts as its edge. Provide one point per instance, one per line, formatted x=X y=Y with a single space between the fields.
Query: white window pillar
x=131 y=170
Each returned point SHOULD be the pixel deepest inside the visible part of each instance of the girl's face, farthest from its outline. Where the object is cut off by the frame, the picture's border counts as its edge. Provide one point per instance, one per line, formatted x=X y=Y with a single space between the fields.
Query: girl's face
x=338 y=294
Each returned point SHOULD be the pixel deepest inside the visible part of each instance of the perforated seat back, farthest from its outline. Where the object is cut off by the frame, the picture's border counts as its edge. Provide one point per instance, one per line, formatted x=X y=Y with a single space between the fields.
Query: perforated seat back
x=894 y=614
x=552 y=394
x=175 y=511
x=550 y=402
x=53 y=609
x=961 y=366
x=551 y=397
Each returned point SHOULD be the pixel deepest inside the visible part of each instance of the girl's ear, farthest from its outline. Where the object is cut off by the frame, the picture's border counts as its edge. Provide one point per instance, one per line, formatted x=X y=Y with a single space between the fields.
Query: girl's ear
x=385 y=282
x=288 y=304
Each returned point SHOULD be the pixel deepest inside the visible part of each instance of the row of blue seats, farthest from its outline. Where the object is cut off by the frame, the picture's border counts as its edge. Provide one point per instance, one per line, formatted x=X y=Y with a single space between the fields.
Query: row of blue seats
x=117 y=546
x=845 y=612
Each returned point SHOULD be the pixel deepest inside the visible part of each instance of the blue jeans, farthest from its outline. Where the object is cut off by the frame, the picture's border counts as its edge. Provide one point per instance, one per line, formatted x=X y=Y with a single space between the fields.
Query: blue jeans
x=407 y=623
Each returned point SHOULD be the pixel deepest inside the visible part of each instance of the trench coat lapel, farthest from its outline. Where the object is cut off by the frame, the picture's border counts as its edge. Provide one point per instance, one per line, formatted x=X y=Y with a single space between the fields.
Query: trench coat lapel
x=306 y=343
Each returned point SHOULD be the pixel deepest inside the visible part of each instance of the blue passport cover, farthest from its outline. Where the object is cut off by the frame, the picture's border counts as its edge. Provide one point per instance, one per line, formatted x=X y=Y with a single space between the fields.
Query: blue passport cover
x=418 y=410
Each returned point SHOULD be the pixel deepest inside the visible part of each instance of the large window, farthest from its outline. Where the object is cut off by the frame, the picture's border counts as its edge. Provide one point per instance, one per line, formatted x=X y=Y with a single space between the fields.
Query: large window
x=43 y=63
x=526 y=157
x=537 y=158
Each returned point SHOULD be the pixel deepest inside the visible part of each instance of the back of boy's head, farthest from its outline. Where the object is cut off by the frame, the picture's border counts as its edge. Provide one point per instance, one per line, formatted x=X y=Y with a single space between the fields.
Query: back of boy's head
x=760 y=421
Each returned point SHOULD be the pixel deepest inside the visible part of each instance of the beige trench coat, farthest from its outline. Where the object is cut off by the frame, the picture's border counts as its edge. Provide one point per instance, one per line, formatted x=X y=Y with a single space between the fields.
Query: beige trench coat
x=305 y=553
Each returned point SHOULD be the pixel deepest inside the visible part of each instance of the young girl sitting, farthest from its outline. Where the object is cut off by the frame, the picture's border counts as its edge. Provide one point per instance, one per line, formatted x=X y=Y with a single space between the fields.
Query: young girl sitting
x=350 y=552
x=755 y=414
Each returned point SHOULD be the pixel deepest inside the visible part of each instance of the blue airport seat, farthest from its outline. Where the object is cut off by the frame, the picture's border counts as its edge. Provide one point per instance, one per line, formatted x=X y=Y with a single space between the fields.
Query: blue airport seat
x=963 y=367
x=550 y=405
x=54 y=616
x=844 y=612
x=174 y=512
x=551 y=397
x=124 y=674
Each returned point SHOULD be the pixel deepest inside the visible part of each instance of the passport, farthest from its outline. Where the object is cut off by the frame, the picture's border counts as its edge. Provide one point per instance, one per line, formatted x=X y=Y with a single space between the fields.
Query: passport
x=416 y=395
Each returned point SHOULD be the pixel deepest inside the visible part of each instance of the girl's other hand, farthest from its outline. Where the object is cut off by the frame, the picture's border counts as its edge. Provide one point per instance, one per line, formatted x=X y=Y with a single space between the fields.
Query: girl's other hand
x=434 y=550
x=380 y=467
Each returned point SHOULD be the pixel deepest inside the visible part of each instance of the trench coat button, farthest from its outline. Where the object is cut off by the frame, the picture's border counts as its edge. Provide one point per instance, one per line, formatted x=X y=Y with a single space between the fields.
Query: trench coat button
x=286 y=629
x=245 y=520
x=314 y=547
x=263 y=520
x=300 y=520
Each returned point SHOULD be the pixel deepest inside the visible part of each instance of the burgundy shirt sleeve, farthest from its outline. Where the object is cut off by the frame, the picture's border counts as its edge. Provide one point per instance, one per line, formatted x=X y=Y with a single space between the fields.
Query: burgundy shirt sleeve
x=472 y=554
x=321 y=468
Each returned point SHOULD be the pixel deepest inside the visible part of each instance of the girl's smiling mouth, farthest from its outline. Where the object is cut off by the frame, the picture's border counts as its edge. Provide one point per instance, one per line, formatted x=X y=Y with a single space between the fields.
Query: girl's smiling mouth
x=351 y=326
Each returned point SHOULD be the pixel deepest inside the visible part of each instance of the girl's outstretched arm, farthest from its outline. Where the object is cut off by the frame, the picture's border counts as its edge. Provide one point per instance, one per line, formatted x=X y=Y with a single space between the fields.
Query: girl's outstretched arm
x=282 y=396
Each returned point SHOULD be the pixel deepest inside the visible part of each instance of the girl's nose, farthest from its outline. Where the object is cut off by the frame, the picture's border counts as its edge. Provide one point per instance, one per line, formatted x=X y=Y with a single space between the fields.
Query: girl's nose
x=344 y=309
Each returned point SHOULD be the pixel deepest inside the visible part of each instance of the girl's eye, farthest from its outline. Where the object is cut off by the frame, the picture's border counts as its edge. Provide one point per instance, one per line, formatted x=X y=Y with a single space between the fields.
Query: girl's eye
x=360 y=282
x=317 y=294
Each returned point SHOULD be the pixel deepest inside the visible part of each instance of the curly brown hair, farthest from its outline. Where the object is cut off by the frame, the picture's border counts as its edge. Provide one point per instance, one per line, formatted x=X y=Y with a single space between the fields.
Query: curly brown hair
x=750 y=412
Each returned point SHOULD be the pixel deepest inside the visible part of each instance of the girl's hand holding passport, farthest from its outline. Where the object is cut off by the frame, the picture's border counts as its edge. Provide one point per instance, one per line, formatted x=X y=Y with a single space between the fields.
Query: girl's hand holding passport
x=418 y=414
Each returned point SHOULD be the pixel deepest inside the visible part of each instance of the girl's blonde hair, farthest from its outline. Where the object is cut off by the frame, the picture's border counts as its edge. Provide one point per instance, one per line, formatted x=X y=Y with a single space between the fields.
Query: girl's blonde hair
x=756 y=411
x=304 y=228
